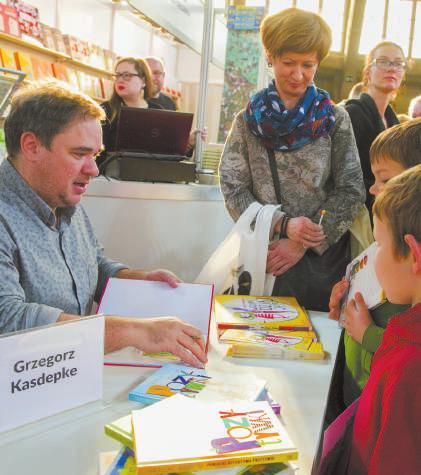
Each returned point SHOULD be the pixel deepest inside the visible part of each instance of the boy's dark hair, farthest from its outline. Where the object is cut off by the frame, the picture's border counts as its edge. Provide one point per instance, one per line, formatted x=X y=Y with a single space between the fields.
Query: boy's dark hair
x=400 y=143
x=399 y=204
x=46 y=110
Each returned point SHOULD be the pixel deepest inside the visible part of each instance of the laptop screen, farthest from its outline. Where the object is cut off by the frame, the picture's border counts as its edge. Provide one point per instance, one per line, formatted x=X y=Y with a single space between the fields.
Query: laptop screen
x=154 y=131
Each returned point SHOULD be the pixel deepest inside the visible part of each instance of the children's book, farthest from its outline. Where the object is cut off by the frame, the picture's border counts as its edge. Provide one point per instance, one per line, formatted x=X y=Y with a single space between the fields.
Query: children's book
x=362 y=278
x=121 y=430
x=180 y=434
x=199 y=384
x=192 y=303
x=244 y=312
x=273 y=344
x=117 y=462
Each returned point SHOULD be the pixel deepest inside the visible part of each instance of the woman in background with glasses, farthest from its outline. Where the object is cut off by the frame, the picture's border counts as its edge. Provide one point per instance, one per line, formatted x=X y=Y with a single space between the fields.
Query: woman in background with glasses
x=371 y=114
x=132 y=88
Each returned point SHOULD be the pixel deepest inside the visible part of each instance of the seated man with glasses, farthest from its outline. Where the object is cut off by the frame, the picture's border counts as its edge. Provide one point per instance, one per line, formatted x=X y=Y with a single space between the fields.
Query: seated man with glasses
x=162 y=101
x=372 y=113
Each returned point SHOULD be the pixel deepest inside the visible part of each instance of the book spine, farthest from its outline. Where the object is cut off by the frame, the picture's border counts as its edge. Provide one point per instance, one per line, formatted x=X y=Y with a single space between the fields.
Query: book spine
x=268 y=326
x=196 y=465
x=121 y=437
x=142 y=399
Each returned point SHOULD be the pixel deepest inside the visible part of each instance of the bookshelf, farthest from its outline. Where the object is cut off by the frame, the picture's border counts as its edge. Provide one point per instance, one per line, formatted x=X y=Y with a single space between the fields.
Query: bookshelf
x=73 y=67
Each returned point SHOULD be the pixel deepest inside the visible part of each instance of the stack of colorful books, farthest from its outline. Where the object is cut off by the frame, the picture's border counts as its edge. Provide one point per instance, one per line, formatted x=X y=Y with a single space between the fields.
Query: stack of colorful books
x=185 y=436
x=266 y=327
x=201 y=422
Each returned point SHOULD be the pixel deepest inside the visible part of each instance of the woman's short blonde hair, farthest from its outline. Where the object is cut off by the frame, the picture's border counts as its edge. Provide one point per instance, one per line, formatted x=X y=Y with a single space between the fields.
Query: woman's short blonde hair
x=297 y=31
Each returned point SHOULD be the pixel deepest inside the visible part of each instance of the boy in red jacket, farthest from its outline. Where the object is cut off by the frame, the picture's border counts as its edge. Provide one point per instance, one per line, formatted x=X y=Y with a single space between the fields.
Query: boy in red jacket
x=386 y=437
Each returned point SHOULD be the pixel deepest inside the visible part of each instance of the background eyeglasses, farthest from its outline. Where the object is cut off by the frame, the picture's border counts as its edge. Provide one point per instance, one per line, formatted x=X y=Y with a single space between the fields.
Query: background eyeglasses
x=124 y=76
x=386 y=64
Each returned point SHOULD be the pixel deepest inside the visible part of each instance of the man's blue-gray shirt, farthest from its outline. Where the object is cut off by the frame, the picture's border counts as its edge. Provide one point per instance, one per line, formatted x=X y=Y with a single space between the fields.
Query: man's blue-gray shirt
x=47 y=266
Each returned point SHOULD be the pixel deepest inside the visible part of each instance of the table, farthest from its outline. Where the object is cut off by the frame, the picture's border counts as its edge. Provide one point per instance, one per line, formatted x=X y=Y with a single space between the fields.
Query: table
x=70 y=443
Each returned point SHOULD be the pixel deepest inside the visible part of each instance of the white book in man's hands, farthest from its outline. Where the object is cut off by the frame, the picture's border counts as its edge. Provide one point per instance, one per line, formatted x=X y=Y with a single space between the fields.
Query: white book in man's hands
x=362 y=278
x=192 y=303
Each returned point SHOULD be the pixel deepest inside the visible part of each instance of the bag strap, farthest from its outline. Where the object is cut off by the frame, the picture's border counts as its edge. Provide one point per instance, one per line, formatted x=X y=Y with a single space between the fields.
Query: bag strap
x=274 y=172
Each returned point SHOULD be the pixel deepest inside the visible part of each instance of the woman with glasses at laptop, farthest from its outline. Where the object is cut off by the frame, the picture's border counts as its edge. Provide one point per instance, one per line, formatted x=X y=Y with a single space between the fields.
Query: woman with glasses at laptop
x=133 y=88
x=293 y=146
x=372 y=113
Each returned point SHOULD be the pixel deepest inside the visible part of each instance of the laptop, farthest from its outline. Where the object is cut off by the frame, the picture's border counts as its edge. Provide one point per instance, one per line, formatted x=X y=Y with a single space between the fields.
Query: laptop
x=153 y=133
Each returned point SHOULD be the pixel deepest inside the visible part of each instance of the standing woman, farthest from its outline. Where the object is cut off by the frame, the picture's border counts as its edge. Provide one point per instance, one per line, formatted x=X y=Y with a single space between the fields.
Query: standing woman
x=371 y=114
x=295 y=126
x=132 y=88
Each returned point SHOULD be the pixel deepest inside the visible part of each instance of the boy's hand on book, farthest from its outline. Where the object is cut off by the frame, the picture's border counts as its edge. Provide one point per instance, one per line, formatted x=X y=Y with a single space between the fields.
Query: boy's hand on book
x=336 y=295
x=304 y=231
x=170 y=334
x=282 y=255
x=357 y=318
x=162 y=275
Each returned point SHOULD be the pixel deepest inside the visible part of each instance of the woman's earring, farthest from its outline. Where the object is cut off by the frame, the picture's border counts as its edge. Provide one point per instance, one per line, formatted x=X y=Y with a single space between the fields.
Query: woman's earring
x=269 y=65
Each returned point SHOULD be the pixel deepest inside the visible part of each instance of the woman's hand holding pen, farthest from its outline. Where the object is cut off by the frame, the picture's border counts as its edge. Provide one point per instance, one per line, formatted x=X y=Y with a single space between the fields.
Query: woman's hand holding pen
x=304 y=231
x=282 y=255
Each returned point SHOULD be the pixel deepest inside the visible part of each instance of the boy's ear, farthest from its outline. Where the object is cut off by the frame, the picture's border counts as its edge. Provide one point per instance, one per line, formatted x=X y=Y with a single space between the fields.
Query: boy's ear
x=415 y=248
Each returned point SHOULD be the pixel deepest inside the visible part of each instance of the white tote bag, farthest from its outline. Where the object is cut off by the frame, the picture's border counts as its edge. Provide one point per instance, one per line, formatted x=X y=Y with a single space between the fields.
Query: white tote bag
x=239 y=262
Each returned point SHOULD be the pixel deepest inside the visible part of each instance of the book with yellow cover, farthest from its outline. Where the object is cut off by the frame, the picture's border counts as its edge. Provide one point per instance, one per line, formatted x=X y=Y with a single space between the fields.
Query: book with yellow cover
x=270 y=338
x=23 y=62
x=314 y=352
x=244 y=312
x=7 y=58
x=179 y=434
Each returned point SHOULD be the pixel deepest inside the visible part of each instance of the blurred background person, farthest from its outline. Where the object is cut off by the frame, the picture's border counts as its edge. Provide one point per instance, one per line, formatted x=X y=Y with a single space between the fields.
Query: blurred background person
x=414 y=109
x=372 y=113
x=163 y=101
x=293 y=147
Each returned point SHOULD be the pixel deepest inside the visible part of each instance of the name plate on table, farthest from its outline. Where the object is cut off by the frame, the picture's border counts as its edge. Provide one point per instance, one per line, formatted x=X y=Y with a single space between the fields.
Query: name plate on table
x=50 y=369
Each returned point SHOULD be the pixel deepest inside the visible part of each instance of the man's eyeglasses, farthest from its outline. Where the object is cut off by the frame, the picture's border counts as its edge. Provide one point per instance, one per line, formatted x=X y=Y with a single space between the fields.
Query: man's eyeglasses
x=386 y=64
x=124 y=76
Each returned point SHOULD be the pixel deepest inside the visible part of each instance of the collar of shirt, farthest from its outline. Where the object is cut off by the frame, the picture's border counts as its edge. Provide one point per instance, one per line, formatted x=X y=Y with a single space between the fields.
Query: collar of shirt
x=17 y=185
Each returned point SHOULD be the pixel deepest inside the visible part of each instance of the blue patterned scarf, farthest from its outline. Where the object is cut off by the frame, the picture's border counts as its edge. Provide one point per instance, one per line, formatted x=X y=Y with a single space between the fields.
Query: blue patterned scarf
x=289 y=129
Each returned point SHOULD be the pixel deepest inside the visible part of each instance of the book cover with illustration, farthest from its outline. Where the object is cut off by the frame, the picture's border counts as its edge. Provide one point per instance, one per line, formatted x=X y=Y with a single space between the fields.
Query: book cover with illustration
x=199 y=384
x=362 y=278
x=244 y=312
x=180 y=434
x=273 y=344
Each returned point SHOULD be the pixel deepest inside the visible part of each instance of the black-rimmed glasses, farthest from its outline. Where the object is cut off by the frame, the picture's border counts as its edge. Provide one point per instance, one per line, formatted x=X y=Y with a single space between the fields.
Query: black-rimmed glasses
x=124 y=76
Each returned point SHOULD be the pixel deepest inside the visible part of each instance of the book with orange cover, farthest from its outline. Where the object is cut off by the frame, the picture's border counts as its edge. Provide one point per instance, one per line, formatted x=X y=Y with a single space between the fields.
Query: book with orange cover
x=41 y=69
x=60 y=72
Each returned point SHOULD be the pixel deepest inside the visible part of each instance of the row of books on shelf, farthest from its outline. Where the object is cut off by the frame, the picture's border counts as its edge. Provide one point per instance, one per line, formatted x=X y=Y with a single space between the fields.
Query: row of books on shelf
x=201 y=422
x=38 y=69
x=20 y=18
